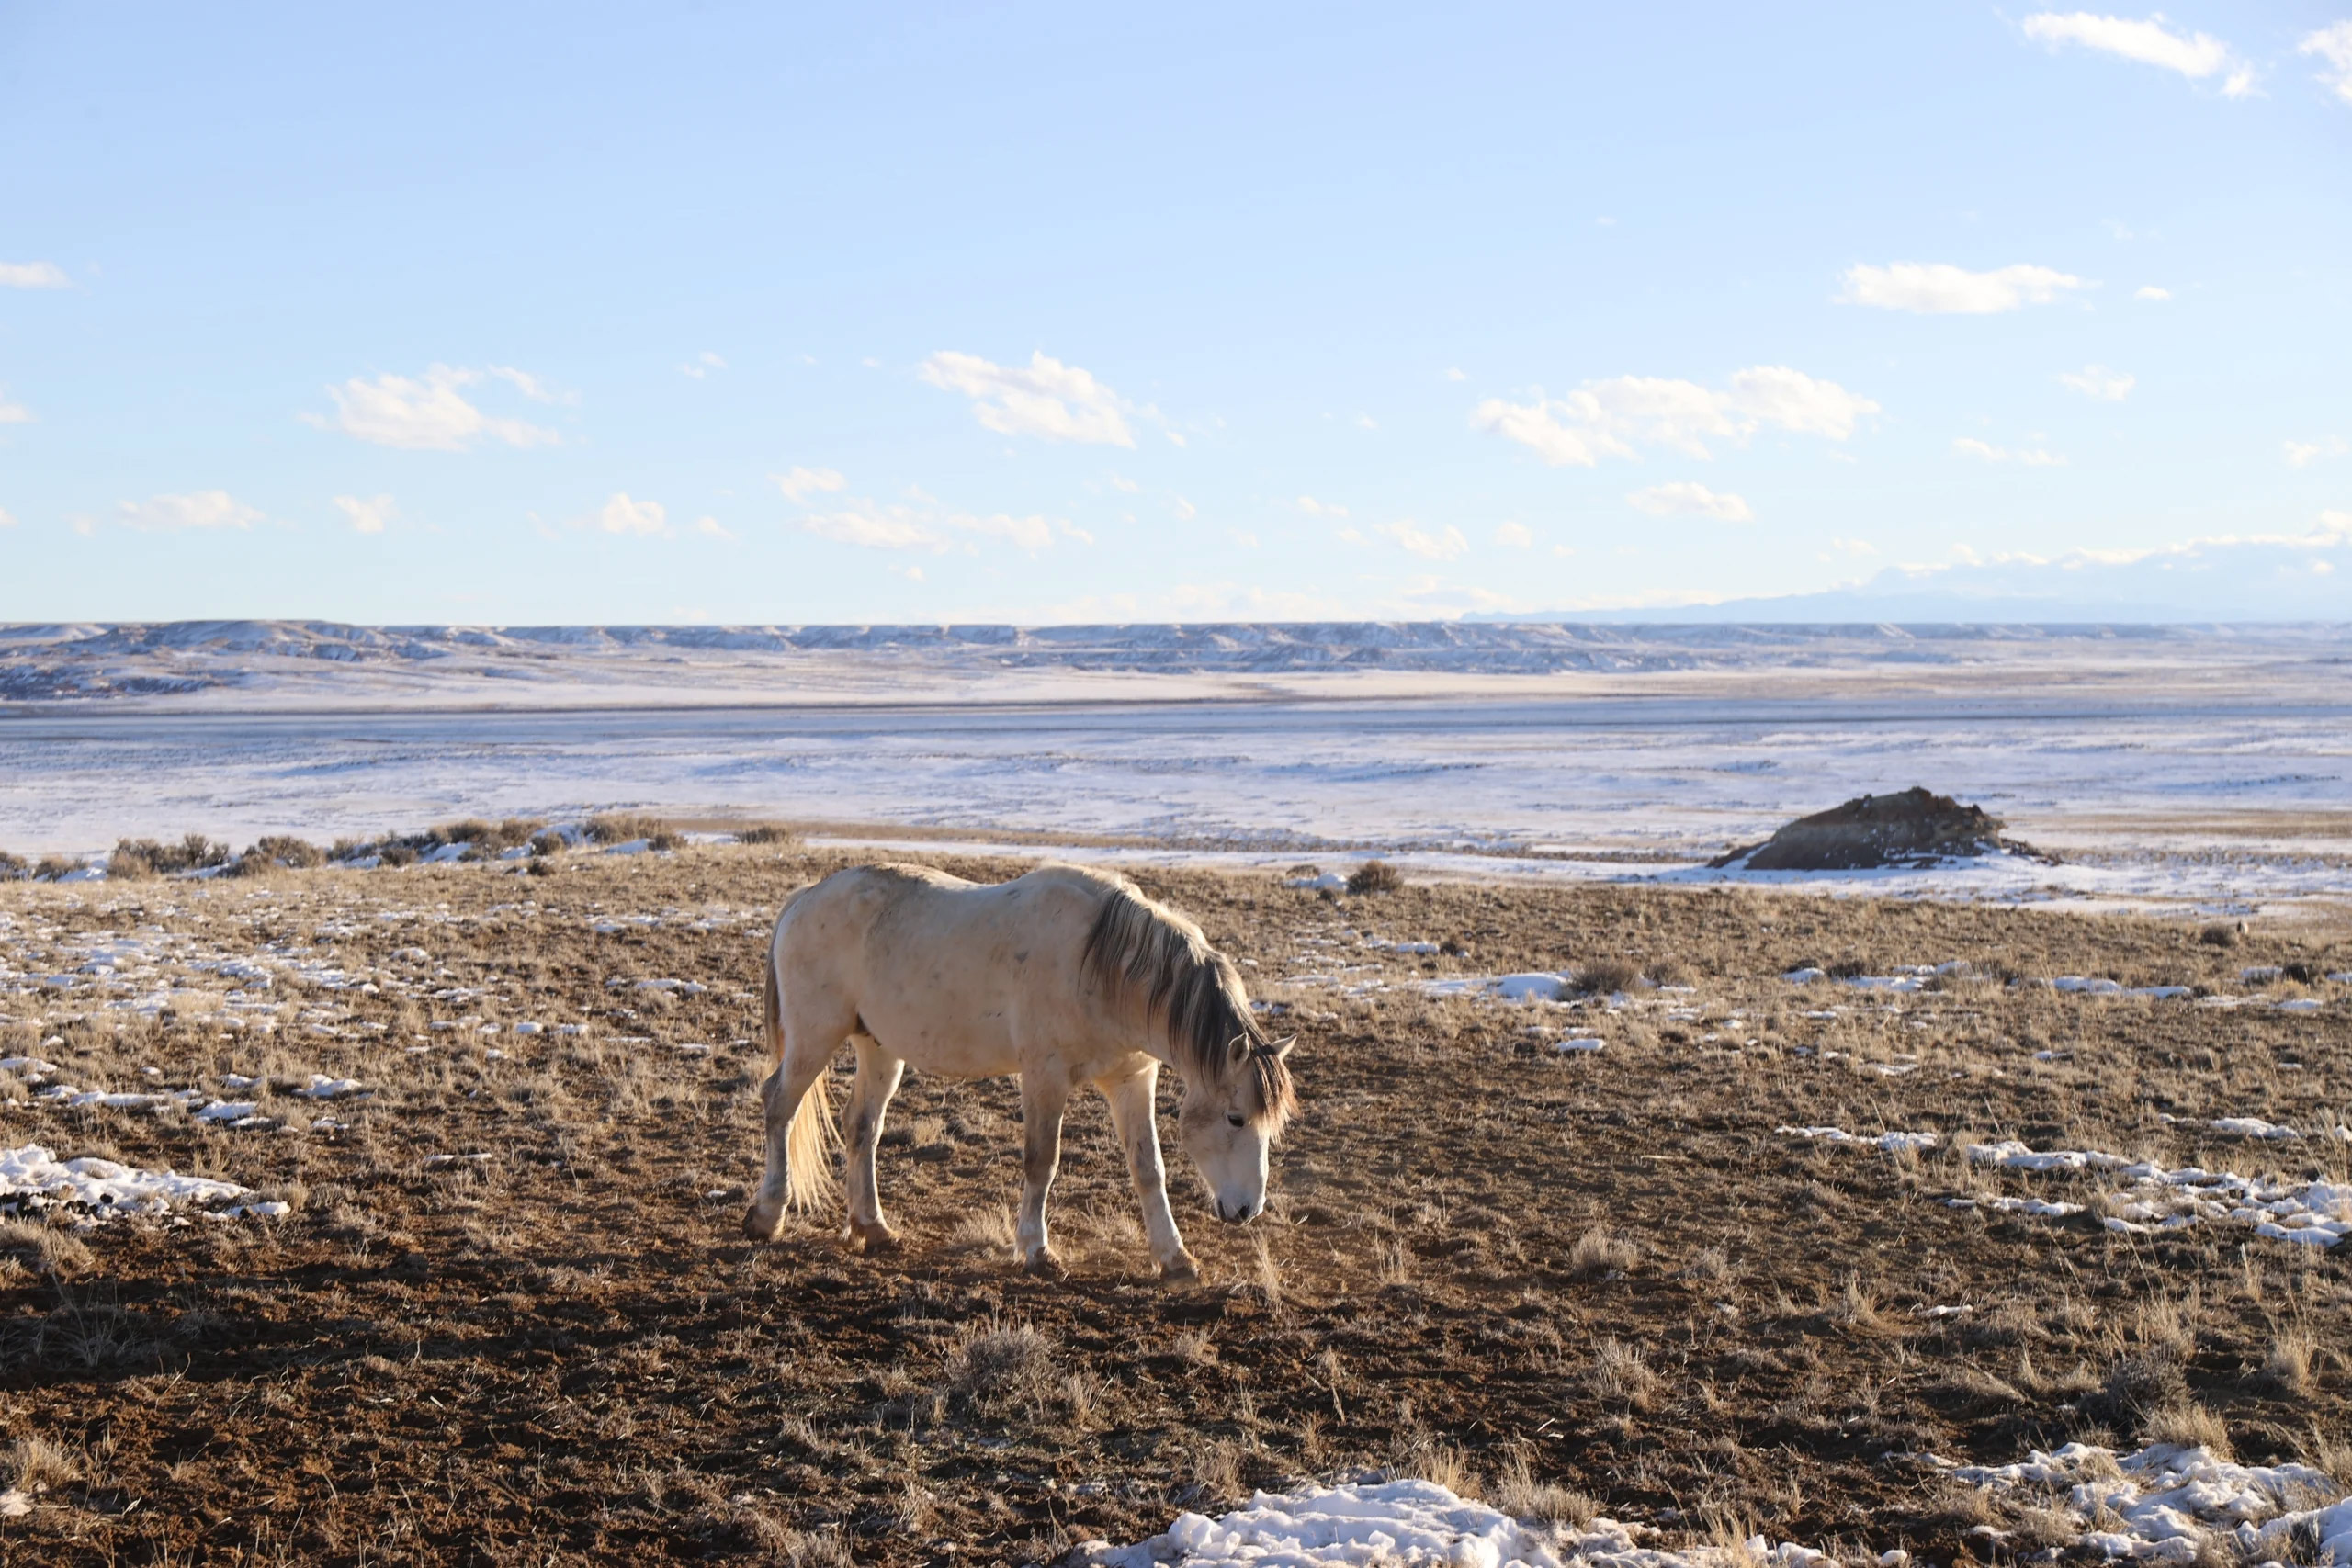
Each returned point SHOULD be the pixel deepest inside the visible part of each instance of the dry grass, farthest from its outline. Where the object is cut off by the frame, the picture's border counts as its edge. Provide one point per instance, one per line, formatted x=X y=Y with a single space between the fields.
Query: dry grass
x=1599 y=1285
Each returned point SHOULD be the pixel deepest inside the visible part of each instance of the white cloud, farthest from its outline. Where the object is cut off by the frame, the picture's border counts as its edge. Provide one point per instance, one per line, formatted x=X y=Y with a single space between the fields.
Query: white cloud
x=1937 y=288
x=1185 y=511
x=1049 y=399
x=1314 y=508
x=2034 y=458
x=7 y=518
x=1455 y=373
x=623 y=515
x=1852 y=547
x=1124 y=485
x=712 y=527
x=702 y=365
x=33 y=275
x=1684 y=499
x=14 y=413
x=1180 y=441
x=1514 y=535
x=530 y=385
x=1607 y=419
x=2149 y=291
x=2333 y=43
x=2100 y=383
x=1353 y=536
x=925 y=526
x=2301 y=453
x=1430 y=547
x=369 y=513
x=430 y=414
x=1365 y=421
x=204 y=509
x=1242 y=537
x=801 y=483
x=2194 y=55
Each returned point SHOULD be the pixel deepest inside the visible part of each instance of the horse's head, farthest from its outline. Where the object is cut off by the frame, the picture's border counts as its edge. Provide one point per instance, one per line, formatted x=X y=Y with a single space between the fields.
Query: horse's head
x=1229 y=1121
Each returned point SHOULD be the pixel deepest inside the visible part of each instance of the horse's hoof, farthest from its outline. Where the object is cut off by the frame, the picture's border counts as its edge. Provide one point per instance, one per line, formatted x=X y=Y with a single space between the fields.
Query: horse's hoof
x=758 y=1229
x=876 y=1241
x=1046 y=1264
x=1181 y=1270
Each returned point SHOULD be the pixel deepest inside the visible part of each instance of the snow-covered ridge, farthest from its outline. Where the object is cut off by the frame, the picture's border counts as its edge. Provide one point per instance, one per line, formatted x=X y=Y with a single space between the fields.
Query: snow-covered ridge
x=82 y=659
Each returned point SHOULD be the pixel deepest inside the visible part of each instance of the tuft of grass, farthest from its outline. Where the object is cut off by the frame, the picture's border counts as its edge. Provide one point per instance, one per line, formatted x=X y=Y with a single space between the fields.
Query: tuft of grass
x=1620 y=1374
x=2223 y=933
x=33 y=1462
x=769 y=833
x=1375 y=877
x=13 y=868
x=42 y=1247
x=1600 y=1252
x=995 y=1366
x=2288 y=1367
x=2190 y=1425
x=1520 y=1494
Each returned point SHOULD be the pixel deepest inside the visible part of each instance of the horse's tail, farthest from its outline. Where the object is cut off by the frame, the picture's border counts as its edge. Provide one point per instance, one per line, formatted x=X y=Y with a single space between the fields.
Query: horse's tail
x=810 y=1142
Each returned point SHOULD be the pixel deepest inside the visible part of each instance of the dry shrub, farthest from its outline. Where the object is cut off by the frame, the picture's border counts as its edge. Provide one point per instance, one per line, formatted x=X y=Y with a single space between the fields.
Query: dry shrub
x=997 y=1366
x=53 y=867
x=274 y=851
x=1375 y=877
x=2223 y=933
x=1607 y=976
x=547 y=841
x=768 y=833
x=136 y=858
x=1600 y=1252
x=13 y=868
x=623 y=827
x=2136 y=1387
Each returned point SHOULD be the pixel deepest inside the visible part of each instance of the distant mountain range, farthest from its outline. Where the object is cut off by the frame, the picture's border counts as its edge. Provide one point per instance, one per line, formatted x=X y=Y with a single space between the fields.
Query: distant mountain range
x=2301 y=577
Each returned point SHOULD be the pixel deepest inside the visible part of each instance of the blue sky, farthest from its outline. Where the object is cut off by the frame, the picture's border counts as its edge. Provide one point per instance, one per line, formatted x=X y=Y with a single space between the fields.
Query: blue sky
x=579 y=313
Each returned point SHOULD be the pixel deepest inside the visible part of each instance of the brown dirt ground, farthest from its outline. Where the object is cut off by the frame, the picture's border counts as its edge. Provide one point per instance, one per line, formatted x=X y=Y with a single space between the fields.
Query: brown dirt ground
x=1485 y=1263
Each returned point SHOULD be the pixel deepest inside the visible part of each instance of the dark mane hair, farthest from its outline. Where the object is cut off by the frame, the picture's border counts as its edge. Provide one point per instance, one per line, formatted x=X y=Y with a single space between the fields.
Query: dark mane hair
x=1142 y=954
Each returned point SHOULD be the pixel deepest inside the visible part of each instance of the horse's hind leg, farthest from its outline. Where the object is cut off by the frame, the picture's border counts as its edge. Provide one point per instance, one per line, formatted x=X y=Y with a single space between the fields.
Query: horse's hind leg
x=1043 y=1099
x=1131 y=1114
x=798 y=1129
x=877 y=1079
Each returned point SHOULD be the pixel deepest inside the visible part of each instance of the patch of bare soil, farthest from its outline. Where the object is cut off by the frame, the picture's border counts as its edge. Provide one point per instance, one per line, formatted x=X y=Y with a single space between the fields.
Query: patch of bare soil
x=1914 y=827
x=1567 y=1280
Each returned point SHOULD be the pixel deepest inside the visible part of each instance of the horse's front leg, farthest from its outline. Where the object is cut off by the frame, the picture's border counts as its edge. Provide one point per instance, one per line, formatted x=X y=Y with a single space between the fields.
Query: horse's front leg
x=1131 y=1114
x=1044 y=1097
x=877 y=1079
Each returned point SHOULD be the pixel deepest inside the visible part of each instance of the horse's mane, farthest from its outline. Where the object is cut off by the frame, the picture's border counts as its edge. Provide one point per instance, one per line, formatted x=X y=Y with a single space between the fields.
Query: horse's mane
x=1139 y=951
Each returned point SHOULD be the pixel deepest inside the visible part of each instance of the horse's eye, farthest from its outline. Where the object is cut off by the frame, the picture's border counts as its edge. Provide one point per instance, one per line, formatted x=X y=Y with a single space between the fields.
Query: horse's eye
x=1237 y=1121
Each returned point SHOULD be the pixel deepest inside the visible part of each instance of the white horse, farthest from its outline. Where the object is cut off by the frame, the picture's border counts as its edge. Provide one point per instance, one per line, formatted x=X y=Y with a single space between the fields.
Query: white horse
x=1063 y=976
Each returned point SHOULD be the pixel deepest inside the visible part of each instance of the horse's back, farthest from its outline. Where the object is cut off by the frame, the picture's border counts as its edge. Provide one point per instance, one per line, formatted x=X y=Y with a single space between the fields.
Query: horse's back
x=957 y=977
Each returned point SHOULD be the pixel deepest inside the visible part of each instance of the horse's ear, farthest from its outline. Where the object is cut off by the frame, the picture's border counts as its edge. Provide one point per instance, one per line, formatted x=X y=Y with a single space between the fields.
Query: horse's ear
x=1281 y=1048
x=1236 y=1050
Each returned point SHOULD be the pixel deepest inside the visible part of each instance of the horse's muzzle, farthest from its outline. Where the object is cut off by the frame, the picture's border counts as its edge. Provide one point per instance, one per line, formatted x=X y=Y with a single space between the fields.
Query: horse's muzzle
x=1239 y=1213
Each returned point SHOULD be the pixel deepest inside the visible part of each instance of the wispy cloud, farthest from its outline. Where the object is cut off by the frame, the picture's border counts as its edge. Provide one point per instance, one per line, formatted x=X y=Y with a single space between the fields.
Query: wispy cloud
x=176 y=513
x=33 y=275
x=1685 y=499
x=13 y=412
x=1937 y=288
x=2099 y=382
x=2150 y=42
x=431 y=413
x=1985 y=452
x=798 y=484
x=1412 y=536
x=1514 y=535
x=2302 y=454
x=702 y=365
x=1613 y=418
x=7 y=518
x=1314 y=508
x=368 y=514
x=1046 y=398
x=927 y=525
x=2151 y=293
x=2333 y=44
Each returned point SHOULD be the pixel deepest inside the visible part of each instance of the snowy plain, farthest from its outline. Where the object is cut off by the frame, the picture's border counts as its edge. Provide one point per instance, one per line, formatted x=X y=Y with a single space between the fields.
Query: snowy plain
x=2192 y=767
